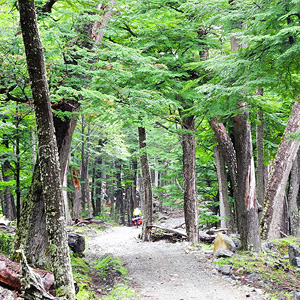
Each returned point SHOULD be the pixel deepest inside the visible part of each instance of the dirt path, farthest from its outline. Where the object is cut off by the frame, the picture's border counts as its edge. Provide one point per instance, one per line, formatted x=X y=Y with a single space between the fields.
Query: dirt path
x=165 y=271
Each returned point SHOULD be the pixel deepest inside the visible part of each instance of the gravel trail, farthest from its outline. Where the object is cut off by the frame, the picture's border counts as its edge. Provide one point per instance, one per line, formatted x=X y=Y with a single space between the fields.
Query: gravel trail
x=166 y=271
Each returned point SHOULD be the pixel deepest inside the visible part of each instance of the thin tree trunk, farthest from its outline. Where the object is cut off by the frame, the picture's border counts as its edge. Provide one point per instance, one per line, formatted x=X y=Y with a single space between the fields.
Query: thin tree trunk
x=248 y=224
x=260 y=162
x=147 y=207
x=48 y=153
x=77 y=195
x=293 y=213
x=83 y=174
x=227 y=220
x=279 y=173
x=189 y=173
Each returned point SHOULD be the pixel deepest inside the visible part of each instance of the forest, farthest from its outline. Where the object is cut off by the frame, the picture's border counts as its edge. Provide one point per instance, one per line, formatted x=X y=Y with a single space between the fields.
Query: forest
x=105 y=107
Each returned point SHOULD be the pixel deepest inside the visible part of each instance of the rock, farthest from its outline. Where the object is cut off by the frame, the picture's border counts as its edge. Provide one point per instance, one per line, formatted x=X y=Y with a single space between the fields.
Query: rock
x=223 y=253
x=267 y=246
x=225 y=269
x=296 y=296
x=294 y=252
x=252 y=277
x=296 y=261
x=76 y=242
x=214 y=272
x=223 y=241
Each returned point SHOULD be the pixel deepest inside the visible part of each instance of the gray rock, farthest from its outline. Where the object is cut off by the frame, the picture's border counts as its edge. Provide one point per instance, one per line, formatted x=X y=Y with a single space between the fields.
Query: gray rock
x=252 y=277
x=214 y=272
x=225 y=269
x=223 y=253
x=296 y=261
x=296 y=296
x=294 y=251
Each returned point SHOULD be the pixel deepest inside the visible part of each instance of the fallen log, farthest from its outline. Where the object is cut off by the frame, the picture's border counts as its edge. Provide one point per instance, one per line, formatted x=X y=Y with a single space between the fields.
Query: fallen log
x=213 y=230
x=10 y=273
x=207 y=238
x=89 y=221
x=150 y=227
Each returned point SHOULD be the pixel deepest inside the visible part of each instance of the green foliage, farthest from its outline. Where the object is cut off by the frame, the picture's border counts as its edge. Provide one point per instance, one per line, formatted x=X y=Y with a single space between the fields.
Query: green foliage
x=6 y=243
x=121 y=292
x=110 y=264
x=82 y=275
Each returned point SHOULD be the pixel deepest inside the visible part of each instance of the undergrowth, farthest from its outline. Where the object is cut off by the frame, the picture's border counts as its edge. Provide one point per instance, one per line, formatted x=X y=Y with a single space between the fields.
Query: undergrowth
x=6 y=243
x=104 y=278
x=270 y=270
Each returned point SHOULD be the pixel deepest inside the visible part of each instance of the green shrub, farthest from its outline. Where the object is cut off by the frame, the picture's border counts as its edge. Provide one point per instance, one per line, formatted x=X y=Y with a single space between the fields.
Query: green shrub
x=6 y=243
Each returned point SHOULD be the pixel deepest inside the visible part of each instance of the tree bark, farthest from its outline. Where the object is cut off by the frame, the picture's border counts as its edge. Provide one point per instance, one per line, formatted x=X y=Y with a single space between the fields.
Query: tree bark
x=260 y=167
x=227 y=220
x=77 y=195
x=279 y=173
x=227 y=150
x=248 y=225
x=147 y=207
x=293 y=213
x=48 y=153
x=189 y=173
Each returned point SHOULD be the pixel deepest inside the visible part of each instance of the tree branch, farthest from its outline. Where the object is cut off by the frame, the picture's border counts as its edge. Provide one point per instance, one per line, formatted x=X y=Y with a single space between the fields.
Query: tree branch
x=127 y=28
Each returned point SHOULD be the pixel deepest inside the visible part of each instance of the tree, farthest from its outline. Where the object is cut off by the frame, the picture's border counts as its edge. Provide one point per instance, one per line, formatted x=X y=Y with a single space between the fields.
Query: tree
x=48 y=153
x=147 y=207
x=280 y=170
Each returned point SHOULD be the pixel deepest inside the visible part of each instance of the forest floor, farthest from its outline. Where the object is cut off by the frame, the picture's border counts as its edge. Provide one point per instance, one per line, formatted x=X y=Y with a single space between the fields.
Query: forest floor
x=164 y=270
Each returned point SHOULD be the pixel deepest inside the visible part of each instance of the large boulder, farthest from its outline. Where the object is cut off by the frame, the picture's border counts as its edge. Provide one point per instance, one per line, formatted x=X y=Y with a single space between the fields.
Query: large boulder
x=222 y=241
x=294 y=255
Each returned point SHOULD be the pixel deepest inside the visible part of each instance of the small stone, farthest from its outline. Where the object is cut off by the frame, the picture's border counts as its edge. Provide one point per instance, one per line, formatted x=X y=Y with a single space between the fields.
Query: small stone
x=294 y=252
x=214 y=272
x=296 y=296
x=223 y=253
x=296 y=261
x=225 y=269
x=252 y=277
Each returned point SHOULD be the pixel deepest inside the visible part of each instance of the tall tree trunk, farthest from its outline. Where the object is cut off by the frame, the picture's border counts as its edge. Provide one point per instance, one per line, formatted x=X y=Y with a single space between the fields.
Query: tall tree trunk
x=229 y=154
x=83 y=171
x=248 y=224
x=48 y=153
x=147 y=207
x=279 y=173
x=189 y=172
x=293 y=193
x=260 y=167
x=227 y=220
x=87 y=177
x=119 y=192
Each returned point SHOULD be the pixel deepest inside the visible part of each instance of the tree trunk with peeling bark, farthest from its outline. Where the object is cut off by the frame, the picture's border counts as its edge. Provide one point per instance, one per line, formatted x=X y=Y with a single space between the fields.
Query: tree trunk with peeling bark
x=227 y=220
x=48 y=153
x=279 y=174
x=293 y=213
x=248 y=225
x=189 y=172
x=228 y=152
x=147 y=205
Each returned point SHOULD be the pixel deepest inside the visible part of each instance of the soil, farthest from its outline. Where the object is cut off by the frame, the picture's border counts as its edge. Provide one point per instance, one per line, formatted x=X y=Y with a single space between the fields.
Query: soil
x=167 y=271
